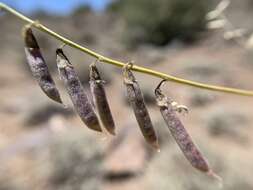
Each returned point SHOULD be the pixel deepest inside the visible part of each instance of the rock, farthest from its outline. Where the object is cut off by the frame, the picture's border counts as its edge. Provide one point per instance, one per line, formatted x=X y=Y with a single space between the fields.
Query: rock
x=128 y=156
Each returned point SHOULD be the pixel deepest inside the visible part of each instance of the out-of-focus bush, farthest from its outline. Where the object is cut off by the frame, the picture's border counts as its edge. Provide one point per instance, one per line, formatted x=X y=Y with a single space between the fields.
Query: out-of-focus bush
x=81 y=10
x=160 y=21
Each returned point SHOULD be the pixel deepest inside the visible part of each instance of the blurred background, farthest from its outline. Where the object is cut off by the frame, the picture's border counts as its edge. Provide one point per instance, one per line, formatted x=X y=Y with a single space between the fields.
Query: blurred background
x=45 y=146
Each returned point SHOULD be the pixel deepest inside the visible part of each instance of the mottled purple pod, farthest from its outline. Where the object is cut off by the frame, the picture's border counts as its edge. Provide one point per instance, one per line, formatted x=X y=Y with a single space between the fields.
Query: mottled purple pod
x=76 y=92
x=38 y=66
x=180 y=134
x=100 y=99
x=136 y=100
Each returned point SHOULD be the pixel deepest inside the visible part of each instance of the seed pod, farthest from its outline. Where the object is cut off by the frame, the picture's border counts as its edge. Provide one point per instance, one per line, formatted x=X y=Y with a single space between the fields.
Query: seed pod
x=76 y=92
x=180 y=134
x=38 y=66
x=136 y=100
x=100 y=100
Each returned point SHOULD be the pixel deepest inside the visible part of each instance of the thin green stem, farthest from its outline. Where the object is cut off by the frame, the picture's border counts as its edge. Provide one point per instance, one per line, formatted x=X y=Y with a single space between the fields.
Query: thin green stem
x=136 y=68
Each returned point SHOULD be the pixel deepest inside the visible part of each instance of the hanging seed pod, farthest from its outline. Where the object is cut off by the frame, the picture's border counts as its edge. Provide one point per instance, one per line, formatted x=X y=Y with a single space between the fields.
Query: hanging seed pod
x=135 y=98
x=76 y=92
x=100 y=100
x=180 y=134
x=38 y=65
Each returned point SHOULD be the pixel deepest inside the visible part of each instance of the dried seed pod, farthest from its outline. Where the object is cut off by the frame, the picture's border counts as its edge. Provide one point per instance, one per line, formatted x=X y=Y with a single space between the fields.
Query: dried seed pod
x=135 y=98
x=180 y=134
x=100 y=100
x=76 y=92
x=38 y=66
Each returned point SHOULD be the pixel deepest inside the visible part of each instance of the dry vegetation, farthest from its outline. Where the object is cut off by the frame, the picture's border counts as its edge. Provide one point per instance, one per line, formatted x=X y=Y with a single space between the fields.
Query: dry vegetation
x=44 y=146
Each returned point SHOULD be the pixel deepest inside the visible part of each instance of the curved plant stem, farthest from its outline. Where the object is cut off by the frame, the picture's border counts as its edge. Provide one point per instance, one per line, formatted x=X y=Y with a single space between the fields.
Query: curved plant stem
x=104 y=59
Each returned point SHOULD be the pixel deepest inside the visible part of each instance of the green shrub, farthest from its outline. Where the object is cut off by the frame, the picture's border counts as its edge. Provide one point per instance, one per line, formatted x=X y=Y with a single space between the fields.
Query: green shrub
x=160 y=21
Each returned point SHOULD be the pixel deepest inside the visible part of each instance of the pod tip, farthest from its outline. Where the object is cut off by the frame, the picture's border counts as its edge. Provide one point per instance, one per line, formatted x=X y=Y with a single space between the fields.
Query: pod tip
x=96 y=128
x=156 y=146
x=112 y=132
x=58 y=99
x=216 y=177
x=54 y=94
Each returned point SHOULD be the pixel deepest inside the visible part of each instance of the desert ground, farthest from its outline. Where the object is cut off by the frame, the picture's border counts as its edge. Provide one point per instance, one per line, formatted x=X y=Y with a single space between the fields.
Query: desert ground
x=44 y=145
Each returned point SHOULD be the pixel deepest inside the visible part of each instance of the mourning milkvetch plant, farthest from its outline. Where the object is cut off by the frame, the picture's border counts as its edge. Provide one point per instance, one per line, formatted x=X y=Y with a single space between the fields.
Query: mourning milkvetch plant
x=100 y=99
x=76 y=91
x=168 y=109
x=38 y=65
x=135 y=98
x=100 y=115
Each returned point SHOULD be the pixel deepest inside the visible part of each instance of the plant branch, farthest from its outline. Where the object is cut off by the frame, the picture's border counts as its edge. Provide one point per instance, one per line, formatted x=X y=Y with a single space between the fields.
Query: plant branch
x=136 y=68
